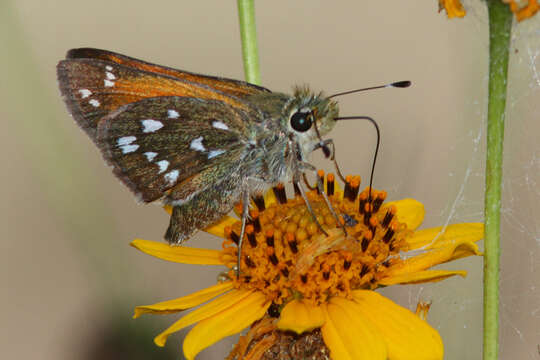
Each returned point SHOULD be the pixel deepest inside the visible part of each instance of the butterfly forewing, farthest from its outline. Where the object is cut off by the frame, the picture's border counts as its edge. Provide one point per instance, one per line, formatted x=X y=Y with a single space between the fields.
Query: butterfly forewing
x=93 y=88
x=169 y=134
x=227 y=86
x=161 y=146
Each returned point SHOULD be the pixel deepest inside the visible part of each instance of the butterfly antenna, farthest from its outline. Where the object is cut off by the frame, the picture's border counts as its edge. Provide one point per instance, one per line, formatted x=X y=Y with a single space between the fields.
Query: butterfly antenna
x=397 y=84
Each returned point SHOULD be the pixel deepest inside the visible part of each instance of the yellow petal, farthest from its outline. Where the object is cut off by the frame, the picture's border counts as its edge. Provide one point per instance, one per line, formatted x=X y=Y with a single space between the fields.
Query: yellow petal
x=425 y=260
x=228 y=322
x=453 y=8
x=208 y=310
x=185 y=302
x=433 y=238
x=421 y=277
x=373 y=346
x=332 y=339
x=407 y=336
x=218 y=228
x=168 y=209
x=409 y=211
x=299 y=316
x=350 y=336
x=179 y=254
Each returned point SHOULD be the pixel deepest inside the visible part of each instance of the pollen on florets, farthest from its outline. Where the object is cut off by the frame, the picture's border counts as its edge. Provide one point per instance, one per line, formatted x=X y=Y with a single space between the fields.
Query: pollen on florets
x=286 y=256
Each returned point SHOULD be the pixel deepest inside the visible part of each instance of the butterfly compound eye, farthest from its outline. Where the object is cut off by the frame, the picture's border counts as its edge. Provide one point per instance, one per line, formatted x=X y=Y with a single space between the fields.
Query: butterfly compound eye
x=301 y=121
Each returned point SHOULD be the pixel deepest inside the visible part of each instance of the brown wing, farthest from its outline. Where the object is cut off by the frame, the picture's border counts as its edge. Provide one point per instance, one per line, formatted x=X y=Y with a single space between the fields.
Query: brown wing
x=228 y=86
x=161 y=146
x=93 y=88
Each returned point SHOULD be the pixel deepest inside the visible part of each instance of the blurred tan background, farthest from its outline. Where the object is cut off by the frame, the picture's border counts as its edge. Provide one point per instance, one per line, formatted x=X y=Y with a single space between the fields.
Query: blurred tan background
x=69 y=279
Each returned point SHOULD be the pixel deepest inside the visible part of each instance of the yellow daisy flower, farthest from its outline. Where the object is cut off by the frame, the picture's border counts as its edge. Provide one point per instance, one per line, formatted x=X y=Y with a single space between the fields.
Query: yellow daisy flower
x=522 y=9
x=295 y=278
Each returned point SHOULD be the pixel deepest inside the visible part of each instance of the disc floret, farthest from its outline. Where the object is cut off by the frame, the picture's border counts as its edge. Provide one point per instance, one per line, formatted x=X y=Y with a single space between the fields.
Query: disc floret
x=286 y=256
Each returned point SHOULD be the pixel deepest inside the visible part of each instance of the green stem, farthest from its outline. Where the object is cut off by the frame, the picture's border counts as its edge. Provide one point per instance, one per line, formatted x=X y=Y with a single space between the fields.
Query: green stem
x=248 y=33
x=500 y=26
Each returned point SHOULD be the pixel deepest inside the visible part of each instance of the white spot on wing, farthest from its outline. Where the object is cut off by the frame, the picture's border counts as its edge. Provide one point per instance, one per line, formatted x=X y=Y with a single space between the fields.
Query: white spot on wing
x=173 y=114
x=85 y=93
x=214 y=153
x=126 y=140
x=110 y=75
x=171 y=176
x=108 y=67
x=124 y=143
x=108 y=83
x=220 y=125
x=163 y=165
x=151 y=125
x=197 y=144
x=129 y=148
x=150 y=155
x=181 y=201
x=94 y=103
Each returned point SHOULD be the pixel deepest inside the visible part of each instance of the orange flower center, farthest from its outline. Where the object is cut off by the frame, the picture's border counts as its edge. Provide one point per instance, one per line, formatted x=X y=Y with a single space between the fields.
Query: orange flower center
x=285 y=255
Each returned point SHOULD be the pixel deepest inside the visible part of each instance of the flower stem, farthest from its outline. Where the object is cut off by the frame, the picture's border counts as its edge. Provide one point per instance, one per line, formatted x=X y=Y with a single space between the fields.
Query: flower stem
x=248 y=33
x=500 y=24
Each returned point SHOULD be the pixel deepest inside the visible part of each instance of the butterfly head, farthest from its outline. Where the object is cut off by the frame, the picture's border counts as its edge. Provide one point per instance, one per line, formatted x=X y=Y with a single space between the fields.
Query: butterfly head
x=310 y=116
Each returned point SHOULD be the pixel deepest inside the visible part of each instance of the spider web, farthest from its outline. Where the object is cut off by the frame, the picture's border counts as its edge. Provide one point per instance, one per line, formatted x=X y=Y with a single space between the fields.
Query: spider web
x=457 y=303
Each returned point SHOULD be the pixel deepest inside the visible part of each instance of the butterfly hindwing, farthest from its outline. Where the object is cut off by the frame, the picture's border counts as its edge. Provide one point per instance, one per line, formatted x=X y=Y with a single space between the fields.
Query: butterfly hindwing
x=204 y=208
x=159 y=147
x=227 y=86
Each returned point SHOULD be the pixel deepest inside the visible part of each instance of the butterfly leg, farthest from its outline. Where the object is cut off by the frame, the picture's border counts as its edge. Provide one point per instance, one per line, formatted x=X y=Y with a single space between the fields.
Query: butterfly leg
x=308 y=205
x=330 y=154
x=320 y=187
x=323 y=144
x=245 y=212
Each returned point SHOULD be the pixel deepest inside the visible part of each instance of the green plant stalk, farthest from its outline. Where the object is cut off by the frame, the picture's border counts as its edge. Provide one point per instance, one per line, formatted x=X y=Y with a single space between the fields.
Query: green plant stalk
x=248 y=34
x=500 y=26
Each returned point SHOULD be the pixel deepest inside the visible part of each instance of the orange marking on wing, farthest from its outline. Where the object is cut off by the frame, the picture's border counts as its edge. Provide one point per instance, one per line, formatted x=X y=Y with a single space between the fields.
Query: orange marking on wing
x=224 y=85
x=146 y=86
